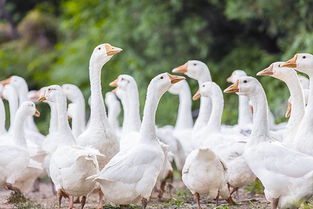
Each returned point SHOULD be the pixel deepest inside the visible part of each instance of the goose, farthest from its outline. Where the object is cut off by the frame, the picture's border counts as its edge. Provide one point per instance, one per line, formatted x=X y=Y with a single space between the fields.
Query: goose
x=70 y=164
x=204 y=173
x=114 y=110
x=77 y=107
x=131 y=175
x=244 y=111
x=99 y=134
x=14 y=158
x=228 y=147
x=303 y=62
x=286 y=174
x=184 y=122
x=199 y=71
x=289 y=76
x=126 y=89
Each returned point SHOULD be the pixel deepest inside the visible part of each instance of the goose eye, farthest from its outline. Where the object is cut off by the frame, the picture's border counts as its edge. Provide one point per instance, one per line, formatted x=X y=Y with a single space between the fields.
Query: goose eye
x=99 y=48
x=194 y=64
x=122 y=79
x=279 y=65
x=303 y=57
x=161 y=77
x=245 y=81
x=203 y=85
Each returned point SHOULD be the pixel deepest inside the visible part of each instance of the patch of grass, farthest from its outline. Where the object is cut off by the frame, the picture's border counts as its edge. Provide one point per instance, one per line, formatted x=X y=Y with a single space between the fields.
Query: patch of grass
x=125 y=206
x=222 y=207
x=308 y=205
x=255 y=188
x=21 y=202
x=183 y=194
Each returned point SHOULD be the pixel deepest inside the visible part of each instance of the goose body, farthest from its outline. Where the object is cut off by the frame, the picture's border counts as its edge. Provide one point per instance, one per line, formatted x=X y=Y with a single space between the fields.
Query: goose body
x=131 y=175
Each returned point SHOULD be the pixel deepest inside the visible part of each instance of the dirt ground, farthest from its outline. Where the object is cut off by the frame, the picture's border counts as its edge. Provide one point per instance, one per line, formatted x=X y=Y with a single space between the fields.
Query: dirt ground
x=181 y=198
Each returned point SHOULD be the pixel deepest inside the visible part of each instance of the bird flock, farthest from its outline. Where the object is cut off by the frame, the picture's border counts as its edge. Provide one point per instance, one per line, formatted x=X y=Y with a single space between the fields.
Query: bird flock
x=124 y=164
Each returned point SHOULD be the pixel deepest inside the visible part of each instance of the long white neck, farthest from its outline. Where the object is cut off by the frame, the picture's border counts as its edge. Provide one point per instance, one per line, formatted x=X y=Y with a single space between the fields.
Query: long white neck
x=260 y=129
x=125 y=106
x=297 y=108
x=78 y=119
x=53 y=126
x=2 y=118
x=98 y=118
x=307 y=121
x=245 y=114
x=113 y=113
x=214 y=124
x=205 y=106
x=13 y=106
x=17 y=130
x=184 y=117
x=147 y=130
x=63 y=125
x=133 y=121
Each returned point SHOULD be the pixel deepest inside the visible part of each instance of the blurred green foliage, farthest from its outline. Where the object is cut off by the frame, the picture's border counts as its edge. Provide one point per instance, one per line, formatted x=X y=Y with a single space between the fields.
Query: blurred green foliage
x=57 y=38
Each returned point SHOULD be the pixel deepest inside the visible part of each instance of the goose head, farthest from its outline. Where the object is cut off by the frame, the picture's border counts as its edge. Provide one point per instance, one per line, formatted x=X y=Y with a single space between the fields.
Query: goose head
x=17 y=82
x=51 y=93
x=207 y=89
x=29 y=108
x=277 y=71
x=177 y=88
x=162 y=82
x=9 y=92
x=245 y=85
x=71 y=91
x=103 y=53
x=302 y=62
x=193 y=68
x=235 y=76
x=124 y=82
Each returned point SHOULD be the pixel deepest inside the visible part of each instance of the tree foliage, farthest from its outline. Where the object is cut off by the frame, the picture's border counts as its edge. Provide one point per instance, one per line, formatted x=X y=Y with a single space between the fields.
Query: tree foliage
x=156 y=37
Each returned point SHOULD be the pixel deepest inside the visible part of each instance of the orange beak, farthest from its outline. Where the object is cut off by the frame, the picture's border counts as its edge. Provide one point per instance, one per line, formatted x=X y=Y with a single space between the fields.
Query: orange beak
x=114 y=83
x=266 y=71
x=288 y=112
x=37 y=113
x=42 y=98
x=112 y=50
x=175 y=78
x=292 y=63
x=233 y=88
x=196 y=96
x=6 y=81
x=181 y=69
x=229 y=79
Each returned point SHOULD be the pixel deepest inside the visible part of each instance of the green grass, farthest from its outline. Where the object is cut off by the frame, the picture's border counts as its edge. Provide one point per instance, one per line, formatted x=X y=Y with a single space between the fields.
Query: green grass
x=21 y=202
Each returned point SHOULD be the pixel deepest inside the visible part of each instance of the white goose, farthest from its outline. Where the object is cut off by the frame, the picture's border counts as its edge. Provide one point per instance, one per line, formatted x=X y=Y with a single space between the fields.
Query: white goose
x=76 y=107
x=289 y=76
x=199 y=71
x=15 y=158
x=70 y=164
x=99 y=134
x=130 y=176
x=228 y=147
x=244 y=111
x=303 y=62
x=287 y=175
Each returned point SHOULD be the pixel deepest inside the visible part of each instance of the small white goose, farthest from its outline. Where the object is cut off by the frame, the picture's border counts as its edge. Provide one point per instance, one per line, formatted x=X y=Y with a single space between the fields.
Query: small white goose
x=131 y=175
x=15 y=158
x=287 y=175
x=70 y=164
x=99 y=133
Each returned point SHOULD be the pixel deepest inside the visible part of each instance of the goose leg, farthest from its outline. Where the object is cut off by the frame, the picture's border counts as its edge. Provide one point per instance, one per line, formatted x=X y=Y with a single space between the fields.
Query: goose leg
x=13 y=188
x=235 y=190
x=144 y=203
x=83 y=202
x=100 y=206
x=71 y=202
x=59 y=196
x=274 y=203
x=77 y=200
x=162 y=189
x=217 y=197
x=36 y=185
x=230 y=201
x=196 y=196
